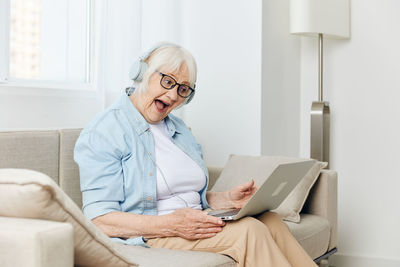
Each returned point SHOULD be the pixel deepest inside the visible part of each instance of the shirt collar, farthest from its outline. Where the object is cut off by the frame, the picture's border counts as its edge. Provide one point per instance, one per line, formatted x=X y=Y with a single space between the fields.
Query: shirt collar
x=172 y=129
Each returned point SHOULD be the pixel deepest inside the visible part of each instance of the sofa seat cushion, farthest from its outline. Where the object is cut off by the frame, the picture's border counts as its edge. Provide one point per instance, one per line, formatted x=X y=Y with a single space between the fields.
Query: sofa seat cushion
x=146 y=257
x=34 y=195
x=313 y=233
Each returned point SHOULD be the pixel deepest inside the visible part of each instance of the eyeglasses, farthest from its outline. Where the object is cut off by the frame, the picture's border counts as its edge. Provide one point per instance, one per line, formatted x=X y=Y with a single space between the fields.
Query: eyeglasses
x=169 y=83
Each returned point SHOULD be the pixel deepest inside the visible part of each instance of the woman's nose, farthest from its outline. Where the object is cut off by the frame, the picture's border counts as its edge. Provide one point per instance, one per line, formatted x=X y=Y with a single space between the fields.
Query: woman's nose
x=173 y=93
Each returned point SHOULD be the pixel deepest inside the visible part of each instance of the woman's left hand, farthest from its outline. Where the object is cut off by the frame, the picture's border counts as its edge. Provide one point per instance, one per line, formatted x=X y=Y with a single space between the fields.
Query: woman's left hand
x=239 y=195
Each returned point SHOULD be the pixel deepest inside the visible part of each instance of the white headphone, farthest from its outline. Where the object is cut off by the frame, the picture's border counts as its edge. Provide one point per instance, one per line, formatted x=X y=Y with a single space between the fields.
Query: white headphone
x=139 y=67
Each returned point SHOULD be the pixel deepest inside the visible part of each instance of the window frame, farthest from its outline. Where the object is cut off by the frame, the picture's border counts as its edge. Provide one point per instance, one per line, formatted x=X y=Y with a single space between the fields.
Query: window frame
x=10 y=84
x=4 y=35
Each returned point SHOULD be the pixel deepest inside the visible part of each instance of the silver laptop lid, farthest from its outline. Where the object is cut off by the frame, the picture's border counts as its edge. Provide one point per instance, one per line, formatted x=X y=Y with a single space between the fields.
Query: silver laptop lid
x=276 y=188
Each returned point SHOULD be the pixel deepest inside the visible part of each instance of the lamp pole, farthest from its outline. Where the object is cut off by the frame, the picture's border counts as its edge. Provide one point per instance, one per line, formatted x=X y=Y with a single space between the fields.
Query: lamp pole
x=326 y=19
x=320 y=66
x=320 y=116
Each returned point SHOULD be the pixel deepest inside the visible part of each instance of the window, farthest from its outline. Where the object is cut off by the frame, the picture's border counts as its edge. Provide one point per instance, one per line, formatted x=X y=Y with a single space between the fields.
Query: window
x=46 y=41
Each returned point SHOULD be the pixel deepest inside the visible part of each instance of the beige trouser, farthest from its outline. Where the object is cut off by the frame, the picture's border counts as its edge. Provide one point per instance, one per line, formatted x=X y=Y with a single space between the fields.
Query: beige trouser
x=265 y=241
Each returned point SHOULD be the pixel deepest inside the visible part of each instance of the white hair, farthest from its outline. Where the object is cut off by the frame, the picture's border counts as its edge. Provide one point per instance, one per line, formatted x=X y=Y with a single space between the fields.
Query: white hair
x=168 y=58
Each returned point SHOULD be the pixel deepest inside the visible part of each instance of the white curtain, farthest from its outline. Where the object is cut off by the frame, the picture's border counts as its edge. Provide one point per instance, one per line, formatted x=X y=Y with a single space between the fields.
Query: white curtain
x=117 y=43
x=123 y=30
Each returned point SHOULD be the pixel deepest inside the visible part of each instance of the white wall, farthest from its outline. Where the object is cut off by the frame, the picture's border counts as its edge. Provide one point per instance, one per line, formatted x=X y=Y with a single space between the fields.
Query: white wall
x=32 y=108
x=280 y=82
x=225 y=38
x=248 y=78
x=362 y=84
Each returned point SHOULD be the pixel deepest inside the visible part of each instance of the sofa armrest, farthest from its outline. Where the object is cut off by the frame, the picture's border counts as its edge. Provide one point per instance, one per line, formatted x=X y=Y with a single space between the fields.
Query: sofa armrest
x=35 y=243
x=322 y=201
x=213 y=173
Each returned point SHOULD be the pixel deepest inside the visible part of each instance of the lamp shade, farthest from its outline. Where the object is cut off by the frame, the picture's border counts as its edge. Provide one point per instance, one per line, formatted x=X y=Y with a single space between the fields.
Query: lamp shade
x=329 y=17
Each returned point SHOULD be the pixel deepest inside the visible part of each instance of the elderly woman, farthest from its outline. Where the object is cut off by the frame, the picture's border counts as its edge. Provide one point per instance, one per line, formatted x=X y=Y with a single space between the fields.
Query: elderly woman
x=144 y=181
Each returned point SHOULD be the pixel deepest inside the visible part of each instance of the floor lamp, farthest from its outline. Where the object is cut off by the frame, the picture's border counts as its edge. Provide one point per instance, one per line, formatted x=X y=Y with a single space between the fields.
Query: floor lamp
x=322 y=19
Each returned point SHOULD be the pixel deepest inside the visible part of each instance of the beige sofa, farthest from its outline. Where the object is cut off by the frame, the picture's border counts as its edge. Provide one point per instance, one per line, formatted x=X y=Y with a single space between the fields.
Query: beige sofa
x=51 y=152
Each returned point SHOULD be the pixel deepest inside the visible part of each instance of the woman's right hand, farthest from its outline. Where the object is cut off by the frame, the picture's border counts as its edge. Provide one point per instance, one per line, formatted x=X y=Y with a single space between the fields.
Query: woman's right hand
x=194 y=224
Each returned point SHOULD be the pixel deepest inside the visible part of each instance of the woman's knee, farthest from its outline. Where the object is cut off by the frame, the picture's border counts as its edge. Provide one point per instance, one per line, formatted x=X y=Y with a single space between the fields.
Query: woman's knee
x=272 y=220
x=251 y=226
x=269 y=216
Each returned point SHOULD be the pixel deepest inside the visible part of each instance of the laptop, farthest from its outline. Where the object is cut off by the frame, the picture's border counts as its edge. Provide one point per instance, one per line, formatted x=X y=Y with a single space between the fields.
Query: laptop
x=271 y=193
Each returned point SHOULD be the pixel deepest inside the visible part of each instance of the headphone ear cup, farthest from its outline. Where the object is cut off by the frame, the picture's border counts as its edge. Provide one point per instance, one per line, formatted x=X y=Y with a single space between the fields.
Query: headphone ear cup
x=142 y=70
x=137 y=70
x=139 y=67
x=190 y=98
x=134 y=70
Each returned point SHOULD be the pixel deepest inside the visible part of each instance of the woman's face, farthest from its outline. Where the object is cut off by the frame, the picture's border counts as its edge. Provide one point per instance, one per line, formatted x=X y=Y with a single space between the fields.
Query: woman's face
x=156 y=102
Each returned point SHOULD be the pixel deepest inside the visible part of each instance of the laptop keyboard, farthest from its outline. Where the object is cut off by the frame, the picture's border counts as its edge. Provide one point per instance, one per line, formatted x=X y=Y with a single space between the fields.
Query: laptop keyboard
x=229 y=213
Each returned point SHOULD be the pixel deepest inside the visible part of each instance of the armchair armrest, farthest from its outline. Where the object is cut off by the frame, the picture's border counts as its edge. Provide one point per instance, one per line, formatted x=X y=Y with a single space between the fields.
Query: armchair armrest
x=35 y=243
x=322 y=201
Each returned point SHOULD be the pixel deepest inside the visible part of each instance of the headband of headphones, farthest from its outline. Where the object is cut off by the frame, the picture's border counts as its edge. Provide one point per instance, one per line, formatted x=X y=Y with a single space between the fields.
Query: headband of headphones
x=139 y=67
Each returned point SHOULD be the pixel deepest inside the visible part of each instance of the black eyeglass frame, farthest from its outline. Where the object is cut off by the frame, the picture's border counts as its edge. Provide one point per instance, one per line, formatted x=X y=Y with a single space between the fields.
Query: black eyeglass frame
x=176 y=83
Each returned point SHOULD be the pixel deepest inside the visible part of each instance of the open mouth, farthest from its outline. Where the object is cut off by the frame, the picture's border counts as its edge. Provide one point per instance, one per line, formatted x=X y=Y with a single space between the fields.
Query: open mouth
x=161 y=105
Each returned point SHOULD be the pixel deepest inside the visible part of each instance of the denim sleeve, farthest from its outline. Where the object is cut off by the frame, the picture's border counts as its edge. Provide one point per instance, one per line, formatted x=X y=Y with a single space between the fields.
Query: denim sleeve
x=203 y=192
x=137 y=241
x=101 y=174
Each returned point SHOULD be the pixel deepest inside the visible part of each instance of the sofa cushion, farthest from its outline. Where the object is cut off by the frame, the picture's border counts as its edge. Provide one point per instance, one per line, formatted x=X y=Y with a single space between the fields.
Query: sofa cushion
x=313 y=234
x=173 y=258
x=34 y=150
x=30 y=194
x=240 y=169
x=69 y=170
x=291 y=207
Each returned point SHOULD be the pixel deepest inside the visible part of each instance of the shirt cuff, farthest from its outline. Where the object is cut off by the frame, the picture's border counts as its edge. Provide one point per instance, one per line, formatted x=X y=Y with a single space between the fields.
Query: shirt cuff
x=97 y=209
x=137 y=241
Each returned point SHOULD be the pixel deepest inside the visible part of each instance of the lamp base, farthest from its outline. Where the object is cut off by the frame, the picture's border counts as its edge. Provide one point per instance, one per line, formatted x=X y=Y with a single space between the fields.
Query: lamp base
x=320 y=128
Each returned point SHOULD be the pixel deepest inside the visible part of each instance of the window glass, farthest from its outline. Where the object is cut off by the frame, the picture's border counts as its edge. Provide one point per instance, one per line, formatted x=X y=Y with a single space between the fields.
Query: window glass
x=49 y=40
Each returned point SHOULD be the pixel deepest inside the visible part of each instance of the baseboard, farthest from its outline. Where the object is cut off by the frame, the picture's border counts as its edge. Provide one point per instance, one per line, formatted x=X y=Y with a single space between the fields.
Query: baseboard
x=340 y=260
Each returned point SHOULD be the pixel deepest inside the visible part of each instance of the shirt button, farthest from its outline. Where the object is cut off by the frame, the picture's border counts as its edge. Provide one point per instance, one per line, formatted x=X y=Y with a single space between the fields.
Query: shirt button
x=150 y=173
x=149 y=198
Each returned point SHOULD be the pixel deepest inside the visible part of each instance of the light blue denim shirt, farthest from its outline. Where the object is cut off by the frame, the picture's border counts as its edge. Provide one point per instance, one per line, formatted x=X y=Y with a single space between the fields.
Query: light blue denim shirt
x=116 y=172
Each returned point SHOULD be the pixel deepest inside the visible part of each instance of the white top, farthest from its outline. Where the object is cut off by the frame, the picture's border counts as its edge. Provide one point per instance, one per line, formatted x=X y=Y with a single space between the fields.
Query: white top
x=184 y=176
